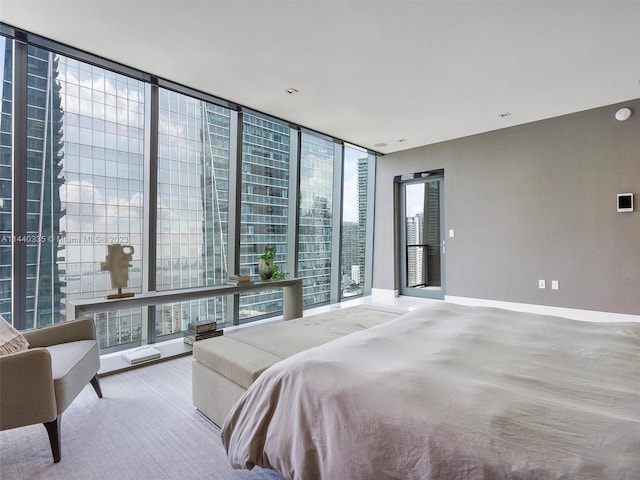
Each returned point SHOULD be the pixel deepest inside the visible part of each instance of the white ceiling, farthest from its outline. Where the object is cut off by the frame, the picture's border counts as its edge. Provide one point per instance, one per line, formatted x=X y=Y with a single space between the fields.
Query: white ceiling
x=368 y=72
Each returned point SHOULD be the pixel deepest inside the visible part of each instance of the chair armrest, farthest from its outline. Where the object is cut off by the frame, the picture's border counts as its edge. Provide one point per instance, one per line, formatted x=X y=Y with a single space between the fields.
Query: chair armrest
x=71 y=331
x=27 y=394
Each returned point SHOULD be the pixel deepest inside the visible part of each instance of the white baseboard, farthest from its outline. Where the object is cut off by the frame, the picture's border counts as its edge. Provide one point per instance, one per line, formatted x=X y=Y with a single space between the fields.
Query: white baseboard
x=574 y=313
x=382 y=295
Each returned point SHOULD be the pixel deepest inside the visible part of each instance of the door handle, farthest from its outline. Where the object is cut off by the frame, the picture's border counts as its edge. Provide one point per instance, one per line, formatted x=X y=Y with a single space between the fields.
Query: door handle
x=444 y=247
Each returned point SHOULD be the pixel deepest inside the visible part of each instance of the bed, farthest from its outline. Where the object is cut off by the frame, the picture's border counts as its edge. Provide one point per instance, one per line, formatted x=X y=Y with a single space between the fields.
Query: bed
x=450 y=392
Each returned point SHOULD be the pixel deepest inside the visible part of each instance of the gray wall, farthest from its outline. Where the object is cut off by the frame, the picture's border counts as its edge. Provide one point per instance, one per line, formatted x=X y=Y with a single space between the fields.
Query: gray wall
x=536 y=201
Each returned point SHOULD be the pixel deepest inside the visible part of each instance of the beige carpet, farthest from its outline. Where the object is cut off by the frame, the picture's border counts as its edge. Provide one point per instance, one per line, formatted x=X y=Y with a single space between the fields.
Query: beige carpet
x=145 y=427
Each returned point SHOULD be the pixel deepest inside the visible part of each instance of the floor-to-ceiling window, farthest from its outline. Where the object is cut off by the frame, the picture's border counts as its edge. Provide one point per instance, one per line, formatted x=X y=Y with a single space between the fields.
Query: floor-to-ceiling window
x=264 y=205
x=354 y=221
x=85 y=142
x=195 y=184
x=315 y=218
x=193 y=203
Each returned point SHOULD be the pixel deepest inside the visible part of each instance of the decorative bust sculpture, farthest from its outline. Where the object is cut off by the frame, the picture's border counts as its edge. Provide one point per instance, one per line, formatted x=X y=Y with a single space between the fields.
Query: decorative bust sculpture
x=117 y=263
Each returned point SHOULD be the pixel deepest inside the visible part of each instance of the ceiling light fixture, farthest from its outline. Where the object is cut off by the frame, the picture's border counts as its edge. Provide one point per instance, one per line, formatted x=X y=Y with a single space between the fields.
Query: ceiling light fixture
x=623 y=114
x=380 y=145
x=291 y=91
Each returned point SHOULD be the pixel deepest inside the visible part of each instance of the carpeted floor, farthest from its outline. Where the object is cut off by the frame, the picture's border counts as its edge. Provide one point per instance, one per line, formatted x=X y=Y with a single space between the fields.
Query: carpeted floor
x=145 y=427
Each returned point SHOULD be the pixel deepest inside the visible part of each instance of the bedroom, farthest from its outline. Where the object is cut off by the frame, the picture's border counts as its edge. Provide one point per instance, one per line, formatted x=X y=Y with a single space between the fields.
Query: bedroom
x=533 y=201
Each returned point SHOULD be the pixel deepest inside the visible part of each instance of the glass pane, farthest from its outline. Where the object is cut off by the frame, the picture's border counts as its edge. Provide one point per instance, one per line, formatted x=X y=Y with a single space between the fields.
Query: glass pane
x=354 y=221
x=119 y=329
x=6 y=153
x=193 y=205
x=414 y=206
x=432 y=233
x=265 y=200
x=315 y=218
x=422 y=230
x=83 y=160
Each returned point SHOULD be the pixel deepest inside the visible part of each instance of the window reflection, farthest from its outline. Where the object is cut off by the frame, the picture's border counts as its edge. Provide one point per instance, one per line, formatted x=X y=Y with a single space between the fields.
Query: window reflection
x=73 y=212
x=193 y=204
x=315 y=217
x=264 y=205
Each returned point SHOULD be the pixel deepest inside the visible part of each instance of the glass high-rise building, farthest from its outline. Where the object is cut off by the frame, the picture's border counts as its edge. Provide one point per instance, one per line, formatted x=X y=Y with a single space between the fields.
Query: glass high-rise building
x=6 y=173
x=363 y=198
x=193 y=204
x=264 y=205
x=102 y=197
x=415 y=250
x=349 y=258
x=45 y=155
x=315 y=218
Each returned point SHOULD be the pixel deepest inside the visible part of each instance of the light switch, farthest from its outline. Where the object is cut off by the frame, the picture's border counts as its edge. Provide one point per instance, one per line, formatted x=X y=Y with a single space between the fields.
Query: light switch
x=452 y=233
x=541 y=284
x=554 y=285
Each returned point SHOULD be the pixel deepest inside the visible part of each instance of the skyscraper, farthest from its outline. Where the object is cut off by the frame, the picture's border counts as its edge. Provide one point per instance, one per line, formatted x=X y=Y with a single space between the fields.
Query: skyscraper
x=45 y=157
x=315 y=218
x=6 y=89
x=193 y=204
x=44 y=178
x=264 y=205
x=363 y=186
x=415 y=250
x=349 y=258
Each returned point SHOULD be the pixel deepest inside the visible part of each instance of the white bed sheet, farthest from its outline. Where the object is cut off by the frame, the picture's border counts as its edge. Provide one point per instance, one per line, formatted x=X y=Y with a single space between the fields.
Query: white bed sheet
x=450 y=392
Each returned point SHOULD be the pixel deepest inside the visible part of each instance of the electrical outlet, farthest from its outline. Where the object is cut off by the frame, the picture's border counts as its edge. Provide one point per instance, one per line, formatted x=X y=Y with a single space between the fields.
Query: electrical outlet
x=541 y=284
x=554 y=285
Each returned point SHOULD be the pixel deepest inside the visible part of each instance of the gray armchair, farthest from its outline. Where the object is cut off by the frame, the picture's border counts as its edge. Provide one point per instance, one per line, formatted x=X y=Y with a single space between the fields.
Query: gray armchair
x=38 y=384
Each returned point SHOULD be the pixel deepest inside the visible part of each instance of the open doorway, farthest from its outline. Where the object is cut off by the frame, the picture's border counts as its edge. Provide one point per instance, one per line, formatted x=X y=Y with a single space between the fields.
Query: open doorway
x=421 y=240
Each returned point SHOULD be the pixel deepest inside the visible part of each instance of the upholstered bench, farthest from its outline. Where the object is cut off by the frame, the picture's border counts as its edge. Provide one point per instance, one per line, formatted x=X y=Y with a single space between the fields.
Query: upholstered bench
x=224 y=367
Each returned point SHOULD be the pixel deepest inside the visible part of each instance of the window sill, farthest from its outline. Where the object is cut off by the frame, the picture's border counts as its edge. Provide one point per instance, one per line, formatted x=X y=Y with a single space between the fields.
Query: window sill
x=114 y=363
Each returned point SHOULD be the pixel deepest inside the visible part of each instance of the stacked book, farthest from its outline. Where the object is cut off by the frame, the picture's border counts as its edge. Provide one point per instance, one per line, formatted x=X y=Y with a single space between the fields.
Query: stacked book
x=239 y=280
x=201 y=330
x=141 y=354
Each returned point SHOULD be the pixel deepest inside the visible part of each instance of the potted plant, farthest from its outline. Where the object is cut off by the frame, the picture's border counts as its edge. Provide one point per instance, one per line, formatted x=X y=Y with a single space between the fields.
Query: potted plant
x=266 y=265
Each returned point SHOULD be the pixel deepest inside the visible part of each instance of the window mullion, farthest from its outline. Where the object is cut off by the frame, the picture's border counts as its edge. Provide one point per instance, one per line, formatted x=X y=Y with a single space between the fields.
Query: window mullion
x=150 y=220
x=294 y=202
x=368 y=255
x=336 y=228
x=19 y=183
x=235 y=195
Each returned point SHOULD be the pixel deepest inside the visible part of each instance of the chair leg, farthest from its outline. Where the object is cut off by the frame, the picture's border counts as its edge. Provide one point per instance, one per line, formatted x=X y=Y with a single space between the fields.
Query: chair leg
x=95 y=383
x=53 y=429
